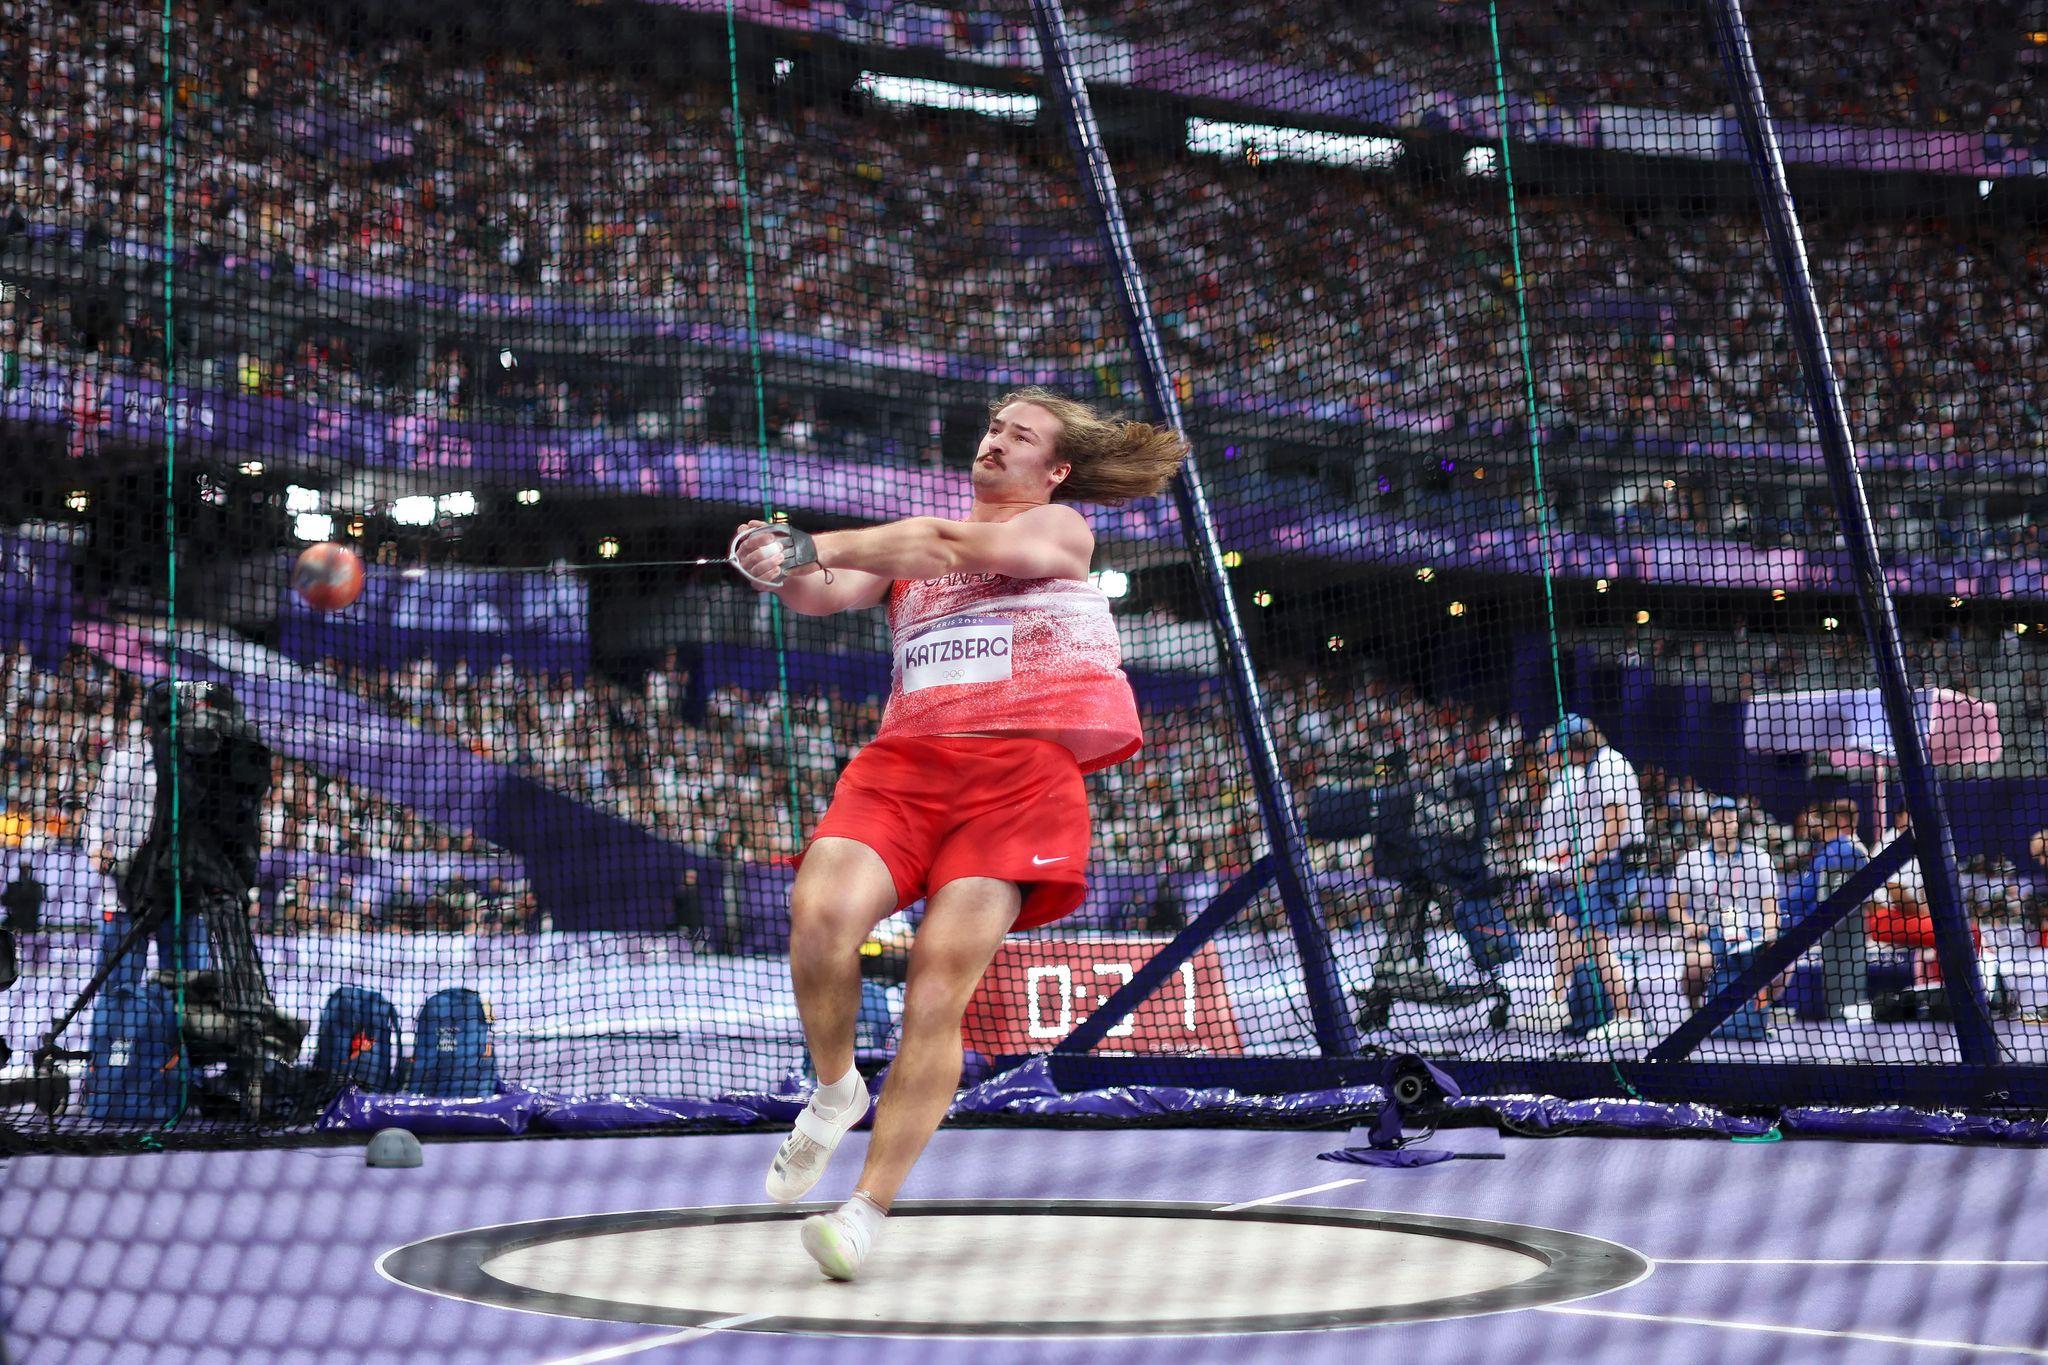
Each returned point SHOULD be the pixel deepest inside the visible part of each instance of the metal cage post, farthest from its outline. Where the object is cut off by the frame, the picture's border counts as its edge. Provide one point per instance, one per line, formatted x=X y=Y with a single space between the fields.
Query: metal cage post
x=1335 y=1034
x=1974 y=1034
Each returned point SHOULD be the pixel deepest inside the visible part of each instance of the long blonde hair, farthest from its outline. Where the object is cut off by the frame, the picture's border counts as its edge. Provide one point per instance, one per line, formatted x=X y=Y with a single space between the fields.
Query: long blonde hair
x=1113 y=459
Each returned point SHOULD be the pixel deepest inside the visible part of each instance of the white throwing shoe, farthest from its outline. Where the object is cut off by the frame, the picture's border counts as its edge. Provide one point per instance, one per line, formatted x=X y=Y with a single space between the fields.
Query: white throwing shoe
x=839 y=1241
x=803 y=1154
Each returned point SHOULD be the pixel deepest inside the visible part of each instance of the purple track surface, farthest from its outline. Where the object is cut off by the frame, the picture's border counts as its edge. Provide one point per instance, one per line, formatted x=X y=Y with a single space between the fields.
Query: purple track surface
x=268 y=1255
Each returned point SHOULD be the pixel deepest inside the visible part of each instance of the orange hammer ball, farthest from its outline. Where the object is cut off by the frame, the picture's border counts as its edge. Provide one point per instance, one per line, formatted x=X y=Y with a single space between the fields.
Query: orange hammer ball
x=328 y=576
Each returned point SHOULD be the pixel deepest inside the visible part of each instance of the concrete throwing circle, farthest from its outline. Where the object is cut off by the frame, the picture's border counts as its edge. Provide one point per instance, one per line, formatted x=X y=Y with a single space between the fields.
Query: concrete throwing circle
x=1022 y=1268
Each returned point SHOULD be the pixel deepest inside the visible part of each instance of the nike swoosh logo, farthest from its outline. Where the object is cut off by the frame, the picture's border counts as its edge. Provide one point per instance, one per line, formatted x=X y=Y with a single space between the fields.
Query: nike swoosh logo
x=1037 y=861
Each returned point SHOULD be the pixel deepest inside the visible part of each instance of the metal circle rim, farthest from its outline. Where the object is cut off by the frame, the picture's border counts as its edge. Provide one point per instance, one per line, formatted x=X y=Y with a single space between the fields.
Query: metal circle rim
x=1576 y=1266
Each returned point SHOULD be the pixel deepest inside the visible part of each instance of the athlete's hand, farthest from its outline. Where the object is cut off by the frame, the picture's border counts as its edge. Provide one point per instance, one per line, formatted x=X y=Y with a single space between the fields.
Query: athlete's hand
x=760 y=557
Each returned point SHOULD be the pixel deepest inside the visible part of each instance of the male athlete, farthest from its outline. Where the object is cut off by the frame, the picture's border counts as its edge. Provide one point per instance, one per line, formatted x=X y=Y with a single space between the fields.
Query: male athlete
x=1008 y=685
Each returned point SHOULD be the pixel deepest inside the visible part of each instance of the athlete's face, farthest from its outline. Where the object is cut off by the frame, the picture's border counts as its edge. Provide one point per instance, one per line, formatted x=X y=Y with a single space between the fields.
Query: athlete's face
x=1018 y=460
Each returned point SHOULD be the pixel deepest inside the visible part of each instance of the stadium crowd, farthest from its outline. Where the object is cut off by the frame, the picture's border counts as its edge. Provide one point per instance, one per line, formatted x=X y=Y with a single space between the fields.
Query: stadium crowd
x=1965 y=67
x=62 y=726
x=301 y=148
x=705 y=768
x=305 y=150
x=708 y=770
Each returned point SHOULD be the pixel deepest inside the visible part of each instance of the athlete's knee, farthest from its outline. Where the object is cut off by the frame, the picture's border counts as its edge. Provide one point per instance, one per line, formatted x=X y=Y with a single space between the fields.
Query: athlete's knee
x=936 y=1002
x=841 y=893
x=932 y=1023
x=819 y=920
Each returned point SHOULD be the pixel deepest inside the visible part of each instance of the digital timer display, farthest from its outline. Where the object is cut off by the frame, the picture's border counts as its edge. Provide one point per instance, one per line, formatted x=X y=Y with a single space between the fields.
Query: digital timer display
x=1036 y=992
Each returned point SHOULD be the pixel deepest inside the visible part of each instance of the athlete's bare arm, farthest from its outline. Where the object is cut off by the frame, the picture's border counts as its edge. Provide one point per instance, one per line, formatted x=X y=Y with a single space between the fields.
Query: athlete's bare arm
x=1048 y=541
x=807 y=592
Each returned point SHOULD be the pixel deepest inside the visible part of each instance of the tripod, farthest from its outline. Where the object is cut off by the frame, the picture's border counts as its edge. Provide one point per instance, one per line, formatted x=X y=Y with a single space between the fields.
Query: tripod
x=49 y=1094
x=1403 y=972
x=1375 y=1003
x=229 y=1012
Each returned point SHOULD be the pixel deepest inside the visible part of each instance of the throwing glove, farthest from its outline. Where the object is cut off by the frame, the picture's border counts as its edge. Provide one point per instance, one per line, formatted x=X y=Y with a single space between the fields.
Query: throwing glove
x=798 y=549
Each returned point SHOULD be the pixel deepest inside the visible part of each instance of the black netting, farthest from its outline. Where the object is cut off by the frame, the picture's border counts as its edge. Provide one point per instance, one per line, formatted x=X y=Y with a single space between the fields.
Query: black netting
x=525 y=307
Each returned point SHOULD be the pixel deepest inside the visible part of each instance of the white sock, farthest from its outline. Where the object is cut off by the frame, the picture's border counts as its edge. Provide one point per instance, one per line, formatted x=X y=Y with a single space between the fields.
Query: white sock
x=864 y=1213
x=830 y=1099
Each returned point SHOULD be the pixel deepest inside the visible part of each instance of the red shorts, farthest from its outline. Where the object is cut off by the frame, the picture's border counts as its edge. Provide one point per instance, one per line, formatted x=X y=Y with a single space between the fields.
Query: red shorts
x=950 y=806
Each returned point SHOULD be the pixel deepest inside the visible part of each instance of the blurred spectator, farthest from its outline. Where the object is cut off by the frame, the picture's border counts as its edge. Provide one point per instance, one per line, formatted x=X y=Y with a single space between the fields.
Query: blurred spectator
x=688 y=906
x=1898 y=916
x=1844 y=950
x=321 y=156
x=2037 y=901
x=1955 y=66
x=1165 y=914
x=1724 y=894
x=23 y=900
x=123 y=802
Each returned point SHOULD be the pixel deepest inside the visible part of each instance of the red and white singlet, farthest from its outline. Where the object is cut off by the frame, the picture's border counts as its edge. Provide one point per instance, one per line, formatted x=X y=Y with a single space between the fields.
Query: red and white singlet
x=981 y=653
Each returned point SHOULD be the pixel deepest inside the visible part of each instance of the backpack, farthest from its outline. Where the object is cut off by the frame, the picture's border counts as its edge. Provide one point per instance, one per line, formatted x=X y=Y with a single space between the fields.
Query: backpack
x=358 y=1039
x=137 y=1071
x=451 y=1048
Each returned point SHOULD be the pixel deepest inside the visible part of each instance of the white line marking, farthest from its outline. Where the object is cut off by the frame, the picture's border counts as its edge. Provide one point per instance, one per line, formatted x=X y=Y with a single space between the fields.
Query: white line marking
x=702 y=1329
x=1883 y=1338
x=1291 y=1194
x=1755 y=1260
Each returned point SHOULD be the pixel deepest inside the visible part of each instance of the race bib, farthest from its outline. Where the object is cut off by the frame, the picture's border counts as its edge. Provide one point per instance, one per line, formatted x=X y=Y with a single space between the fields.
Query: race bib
x=959 y=649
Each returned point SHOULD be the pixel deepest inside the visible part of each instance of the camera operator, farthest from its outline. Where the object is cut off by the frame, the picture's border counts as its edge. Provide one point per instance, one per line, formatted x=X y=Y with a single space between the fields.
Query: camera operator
x=1589 y=830
x=199 y=860
x=116 y=822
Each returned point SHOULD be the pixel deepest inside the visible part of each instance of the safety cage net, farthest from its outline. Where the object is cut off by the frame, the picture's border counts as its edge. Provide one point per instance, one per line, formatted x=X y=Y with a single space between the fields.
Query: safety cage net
x=385 y=382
